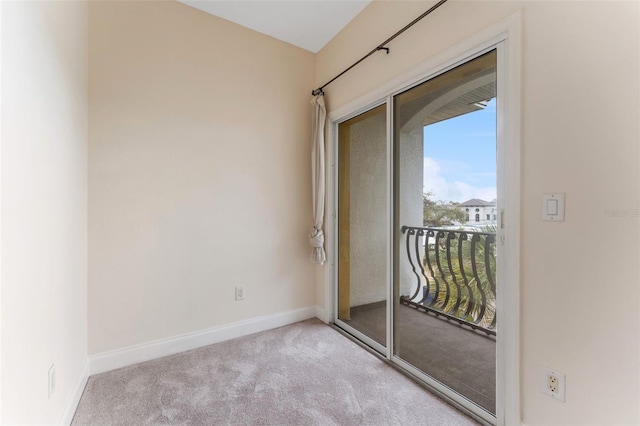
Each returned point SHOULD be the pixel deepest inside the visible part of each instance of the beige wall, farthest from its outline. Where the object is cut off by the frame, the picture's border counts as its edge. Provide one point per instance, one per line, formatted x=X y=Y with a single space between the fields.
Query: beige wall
x=199 y=181
x=579 y=290
x=199 y=173
x=44 y=207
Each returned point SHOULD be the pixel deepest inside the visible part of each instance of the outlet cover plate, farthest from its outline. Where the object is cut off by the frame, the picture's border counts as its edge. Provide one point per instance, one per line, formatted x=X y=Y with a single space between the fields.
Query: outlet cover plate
x=239 y=293
x=553 y=384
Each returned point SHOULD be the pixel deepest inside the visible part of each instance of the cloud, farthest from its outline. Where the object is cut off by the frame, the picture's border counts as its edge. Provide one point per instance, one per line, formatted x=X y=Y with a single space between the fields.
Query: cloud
x=452 y=190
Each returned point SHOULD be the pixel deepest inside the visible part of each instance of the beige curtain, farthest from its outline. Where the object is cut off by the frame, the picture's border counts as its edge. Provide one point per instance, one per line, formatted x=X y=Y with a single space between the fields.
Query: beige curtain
x=316 y=238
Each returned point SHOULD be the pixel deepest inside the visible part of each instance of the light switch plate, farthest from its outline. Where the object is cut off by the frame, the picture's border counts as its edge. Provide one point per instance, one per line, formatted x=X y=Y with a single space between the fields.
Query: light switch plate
x=553 y=207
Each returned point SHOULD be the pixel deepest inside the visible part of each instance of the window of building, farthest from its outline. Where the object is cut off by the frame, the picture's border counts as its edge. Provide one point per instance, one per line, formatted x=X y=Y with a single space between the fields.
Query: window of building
x=488 y=217
x=477 y=217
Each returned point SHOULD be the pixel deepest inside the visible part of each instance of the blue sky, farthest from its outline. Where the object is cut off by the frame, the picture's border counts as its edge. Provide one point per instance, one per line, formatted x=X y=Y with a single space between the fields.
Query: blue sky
x=460 y=156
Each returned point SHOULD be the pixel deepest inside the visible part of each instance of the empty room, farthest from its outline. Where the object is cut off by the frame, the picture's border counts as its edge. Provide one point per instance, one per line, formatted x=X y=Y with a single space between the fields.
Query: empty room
x=323 y=212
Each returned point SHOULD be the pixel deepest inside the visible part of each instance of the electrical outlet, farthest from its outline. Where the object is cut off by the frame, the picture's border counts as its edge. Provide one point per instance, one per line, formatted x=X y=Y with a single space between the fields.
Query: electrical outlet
x=553 y=384
x=239 y=293
x=51 y=375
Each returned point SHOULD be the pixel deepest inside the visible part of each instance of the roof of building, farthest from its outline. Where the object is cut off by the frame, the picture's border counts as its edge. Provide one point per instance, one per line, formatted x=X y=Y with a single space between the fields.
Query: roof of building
x=476 y=202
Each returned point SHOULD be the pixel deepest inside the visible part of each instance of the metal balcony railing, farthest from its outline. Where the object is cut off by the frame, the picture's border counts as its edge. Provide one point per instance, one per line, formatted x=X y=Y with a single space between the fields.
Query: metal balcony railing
x=454 y=275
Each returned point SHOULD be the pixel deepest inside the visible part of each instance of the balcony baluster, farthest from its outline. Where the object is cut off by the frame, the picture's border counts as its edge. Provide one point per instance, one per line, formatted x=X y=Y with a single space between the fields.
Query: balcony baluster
x=462 y=291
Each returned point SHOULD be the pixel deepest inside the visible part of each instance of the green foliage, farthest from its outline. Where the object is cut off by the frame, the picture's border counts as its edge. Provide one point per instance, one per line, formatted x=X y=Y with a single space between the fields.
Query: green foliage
x=441 y=213
x=478 y=284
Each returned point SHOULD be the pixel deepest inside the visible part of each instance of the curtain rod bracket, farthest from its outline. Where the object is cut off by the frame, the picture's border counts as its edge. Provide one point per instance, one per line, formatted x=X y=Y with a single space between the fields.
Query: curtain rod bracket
x=386 y=49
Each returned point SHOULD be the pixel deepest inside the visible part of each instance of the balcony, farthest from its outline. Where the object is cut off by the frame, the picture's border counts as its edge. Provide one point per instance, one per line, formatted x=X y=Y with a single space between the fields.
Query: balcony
x=445 y=321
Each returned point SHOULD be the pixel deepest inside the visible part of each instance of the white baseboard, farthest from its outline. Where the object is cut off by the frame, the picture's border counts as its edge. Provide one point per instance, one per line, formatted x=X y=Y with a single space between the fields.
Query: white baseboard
x=74 y=400
x=321 y=314
x=124 y=357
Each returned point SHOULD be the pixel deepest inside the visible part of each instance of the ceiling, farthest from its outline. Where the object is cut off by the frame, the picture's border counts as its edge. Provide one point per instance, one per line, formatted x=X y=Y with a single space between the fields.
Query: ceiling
x=309 y=24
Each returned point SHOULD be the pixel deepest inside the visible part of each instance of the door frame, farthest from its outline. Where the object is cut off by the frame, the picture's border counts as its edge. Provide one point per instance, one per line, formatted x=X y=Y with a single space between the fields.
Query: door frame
x=506 y=36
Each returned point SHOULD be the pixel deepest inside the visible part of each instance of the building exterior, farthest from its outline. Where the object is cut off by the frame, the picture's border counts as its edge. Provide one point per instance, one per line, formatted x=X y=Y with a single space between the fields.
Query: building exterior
x=480 y=212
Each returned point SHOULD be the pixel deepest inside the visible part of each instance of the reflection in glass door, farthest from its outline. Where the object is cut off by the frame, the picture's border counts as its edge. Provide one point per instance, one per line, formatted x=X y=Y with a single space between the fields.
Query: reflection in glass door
x=363 y=226
x=445 y=213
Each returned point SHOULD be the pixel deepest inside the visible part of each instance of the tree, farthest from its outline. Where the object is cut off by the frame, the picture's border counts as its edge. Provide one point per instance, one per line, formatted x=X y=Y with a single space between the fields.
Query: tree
x=441 y=213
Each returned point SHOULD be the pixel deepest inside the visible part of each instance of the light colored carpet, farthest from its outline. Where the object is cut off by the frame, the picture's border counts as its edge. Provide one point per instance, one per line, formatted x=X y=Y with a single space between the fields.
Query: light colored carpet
x=303 y=374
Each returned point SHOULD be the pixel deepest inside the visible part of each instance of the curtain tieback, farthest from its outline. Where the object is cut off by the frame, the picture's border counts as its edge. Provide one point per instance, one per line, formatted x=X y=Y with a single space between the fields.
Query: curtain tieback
x=316 y=238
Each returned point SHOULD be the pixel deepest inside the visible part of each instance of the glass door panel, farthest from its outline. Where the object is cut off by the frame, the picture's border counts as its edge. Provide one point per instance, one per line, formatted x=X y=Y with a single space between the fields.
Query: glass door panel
x=445 y=212
x=363 y=224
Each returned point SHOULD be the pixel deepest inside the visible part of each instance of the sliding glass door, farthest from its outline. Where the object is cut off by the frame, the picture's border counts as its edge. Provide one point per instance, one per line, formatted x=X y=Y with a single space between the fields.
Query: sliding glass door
x=417 y=221
x=444 y=321
x=363 y=226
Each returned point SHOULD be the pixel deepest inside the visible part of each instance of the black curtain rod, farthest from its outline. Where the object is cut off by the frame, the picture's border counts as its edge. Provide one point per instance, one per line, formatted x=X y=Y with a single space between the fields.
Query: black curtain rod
x=381 y=46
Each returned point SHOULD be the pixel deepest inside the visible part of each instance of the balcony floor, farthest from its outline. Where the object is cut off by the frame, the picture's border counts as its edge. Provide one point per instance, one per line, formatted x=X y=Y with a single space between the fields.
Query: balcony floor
x=462 y=359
